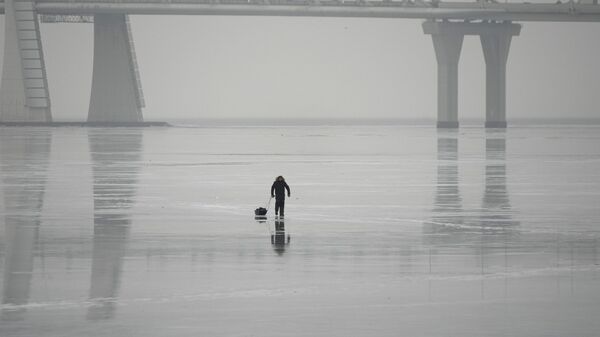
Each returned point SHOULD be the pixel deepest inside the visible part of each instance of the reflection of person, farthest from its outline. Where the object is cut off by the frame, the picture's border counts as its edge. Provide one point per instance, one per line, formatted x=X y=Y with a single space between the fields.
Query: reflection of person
x=279 y=239
x=278 y=192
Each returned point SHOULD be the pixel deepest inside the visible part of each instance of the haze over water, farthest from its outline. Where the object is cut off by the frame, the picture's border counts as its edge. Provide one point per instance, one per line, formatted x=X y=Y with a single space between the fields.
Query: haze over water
x=394 y=230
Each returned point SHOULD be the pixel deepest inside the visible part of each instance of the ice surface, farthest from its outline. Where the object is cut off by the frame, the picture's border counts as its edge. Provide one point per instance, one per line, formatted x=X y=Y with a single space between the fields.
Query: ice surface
x=393 y=231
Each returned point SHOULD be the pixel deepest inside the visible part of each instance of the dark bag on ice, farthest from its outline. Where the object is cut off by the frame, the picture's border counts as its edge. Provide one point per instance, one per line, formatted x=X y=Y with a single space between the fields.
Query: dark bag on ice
x=260 y=211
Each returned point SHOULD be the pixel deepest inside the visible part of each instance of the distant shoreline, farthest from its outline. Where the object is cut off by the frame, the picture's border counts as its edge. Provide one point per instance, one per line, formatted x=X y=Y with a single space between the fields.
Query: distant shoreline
x=282 y=122
x=272 y=122
x=84 y=124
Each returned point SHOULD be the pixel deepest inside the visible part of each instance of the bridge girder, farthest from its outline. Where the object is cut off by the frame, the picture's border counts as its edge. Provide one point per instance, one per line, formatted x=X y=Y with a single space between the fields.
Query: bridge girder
x=583 y=11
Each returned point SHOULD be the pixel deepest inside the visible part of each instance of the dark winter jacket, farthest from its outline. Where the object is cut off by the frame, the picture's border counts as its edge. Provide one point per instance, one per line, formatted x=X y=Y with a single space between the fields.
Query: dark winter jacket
x=278 y=190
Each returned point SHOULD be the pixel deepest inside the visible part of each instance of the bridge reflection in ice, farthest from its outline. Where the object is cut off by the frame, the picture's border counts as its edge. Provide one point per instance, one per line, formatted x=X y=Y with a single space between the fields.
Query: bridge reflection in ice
x=448 y=213
x=116 y=163
x=24 y=159
x=486 y=230
x=495 y=207
x=448 y=202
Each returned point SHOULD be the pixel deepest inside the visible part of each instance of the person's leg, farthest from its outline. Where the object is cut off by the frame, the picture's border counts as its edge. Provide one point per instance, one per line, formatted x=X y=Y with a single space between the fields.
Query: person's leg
x=281 y=206
x=277 y=206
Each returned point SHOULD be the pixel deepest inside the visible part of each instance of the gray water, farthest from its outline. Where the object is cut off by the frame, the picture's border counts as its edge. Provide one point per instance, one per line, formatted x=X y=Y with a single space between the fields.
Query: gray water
x=393 y=231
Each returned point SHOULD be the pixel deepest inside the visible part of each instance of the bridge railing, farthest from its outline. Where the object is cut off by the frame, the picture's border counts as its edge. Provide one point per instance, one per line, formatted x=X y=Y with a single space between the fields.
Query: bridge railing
x=353 y=3
x=267 y=2
x=512 y=10
x=481 y=4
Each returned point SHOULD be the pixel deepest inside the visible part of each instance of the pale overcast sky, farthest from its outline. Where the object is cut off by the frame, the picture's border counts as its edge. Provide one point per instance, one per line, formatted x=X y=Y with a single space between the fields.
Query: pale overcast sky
x=243 y=67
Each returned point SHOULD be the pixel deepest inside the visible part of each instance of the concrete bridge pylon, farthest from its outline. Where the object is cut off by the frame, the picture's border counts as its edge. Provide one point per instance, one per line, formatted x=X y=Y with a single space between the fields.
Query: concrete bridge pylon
x=116 y=87
x=495 y=39
x=447 y=43
x=24 y=95
x=496 y=44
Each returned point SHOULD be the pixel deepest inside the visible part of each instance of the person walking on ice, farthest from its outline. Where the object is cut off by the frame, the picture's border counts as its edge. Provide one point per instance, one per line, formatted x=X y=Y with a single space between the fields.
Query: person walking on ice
x=278 y=192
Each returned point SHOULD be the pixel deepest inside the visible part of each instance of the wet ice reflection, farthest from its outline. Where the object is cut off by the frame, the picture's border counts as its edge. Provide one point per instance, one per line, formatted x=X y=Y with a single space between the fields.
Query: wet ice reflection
x=448 y=214
x=24 y=159
x=448 y=203
x=116 y=164
x=396 y=231
x=496 y=209
x=279 y=237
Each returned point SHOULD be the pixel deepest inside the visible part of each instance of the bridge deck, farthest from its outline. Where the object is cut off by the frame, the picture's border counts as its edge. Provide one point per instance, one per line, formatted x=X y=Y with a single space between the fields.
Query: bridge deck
x=570 y=11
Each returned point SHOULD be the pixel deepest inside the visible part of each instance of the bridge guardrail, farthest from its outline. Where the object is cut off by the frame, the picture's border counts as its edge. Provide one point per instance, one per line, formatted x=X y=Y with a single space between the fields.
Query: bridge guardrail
x=519 y=11
x=402 y=3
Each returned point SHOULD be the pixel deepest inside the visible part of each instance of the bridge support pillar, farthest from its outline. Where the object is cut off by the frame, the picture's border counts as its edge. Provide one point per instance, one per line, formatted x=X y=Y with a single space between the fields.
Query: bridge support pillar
x=116 y=90
x=24 y=93
x=447 y=42
x=496 y=43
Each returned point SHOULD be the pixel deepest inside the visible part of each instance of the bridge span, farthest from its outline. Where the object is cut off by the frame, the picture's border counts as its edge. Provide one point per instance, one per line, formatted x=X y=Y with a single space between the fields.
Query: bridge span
x=117 y=95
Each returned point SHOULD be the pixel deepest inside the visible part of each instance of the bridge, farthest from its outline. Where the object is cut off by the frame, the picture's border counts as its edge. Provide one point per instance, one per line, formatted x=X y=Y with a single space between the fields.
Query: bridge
x=117 y=96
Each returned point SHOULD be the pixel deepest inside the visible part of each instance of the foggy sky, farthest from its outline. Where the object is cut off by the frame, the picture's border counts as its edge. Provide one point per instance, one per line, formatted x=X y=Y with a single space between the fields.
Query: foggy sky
x=244 y=67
